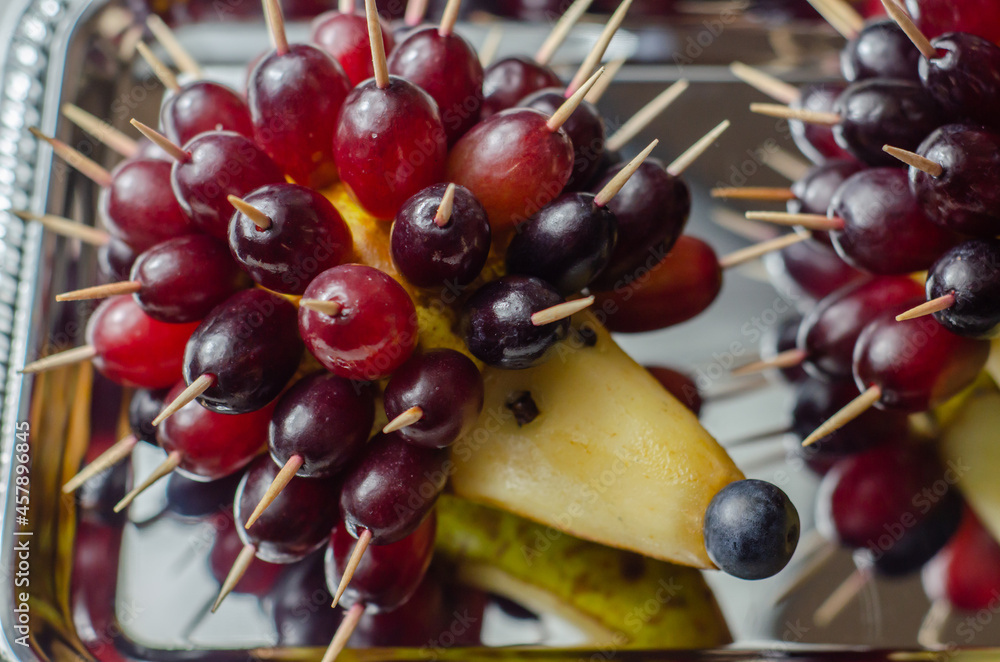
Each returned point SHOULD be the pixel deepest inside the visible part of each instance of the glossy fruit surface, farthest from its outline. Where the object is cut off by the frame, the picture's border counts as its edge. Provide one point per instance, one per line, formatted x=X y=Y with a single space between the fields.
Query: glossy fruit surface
x=681 y=286
x=296 y=523
x=568 y=243
x=585 y=128
x=496 y=322
x=831 y=329
x=507 y=81
x=918 y=364
x=817 y=142
x=884 y=500
x=143 y=407
x=391 y=488
x=203 y=106
x=816 y=401
x=183 y=279
x=781 y=338
x=885 y=229
x=751 y=529
x=294 y=99
x=447 y=387
x=971 y=273
x=388 y=575
x=513 y=164
x=880 y=50
x=139 y=206
x=250 y=346
x=965 y=198
x=390 y=143
x=810 y=269
x=220 y=164
x=447 y=68
x=814 y=192
x=134 y=349
x=652 y=210
x=966 y=572
x=375 y=330
x=430 y=255
x=259 y=578
x=115 y=260
x=211 y=445
x=323 y=419
x=880 y=112
x=345 y=37
x=964 y=77
x=306 y=236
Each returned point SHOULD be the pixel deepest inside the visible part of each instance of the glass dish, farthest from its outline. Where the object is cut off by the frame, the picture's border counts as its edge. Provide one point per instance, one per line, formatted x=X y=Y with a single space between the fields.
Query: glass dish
x=106 y=588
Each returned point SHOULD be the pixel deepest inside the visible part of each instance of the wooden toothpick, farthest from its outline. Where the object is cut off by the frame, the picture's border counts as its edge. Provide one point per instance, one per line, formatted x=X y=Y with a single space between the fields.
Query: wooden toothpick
x=259 y=218
x=596 y=54
x=181 y=57
x=763 y=248
x=59 y=360
x=364 y=540
x=933 y=306
x=160 y=70
x=240 y=567
x=331 y=308
x=561 y=30
x=446 y=207
x=166 y=467
x=913 y=159
x=571 y=104
x=773 y=87
x=684 y=161
x=101 y=291
x=66 y=227
x=109 y=458
x=816 y=222
x=90 y=168
x=377 y=46
x=276 y=25
x=280 y=482
x=800 y=114
x=172 y=149
x=618 y=182
x=645 y=116
x=851 y=410
x=188 y=395
x=406 y=419
x=561 y=311
x=101 y=130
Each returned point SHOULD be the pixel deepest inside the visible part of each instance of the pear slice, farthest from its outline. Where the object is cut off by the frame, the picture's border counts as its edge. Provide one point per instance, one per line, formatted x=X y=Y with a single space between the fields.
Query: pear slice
x=612 y=458
x=616 y=598
x=970 y=448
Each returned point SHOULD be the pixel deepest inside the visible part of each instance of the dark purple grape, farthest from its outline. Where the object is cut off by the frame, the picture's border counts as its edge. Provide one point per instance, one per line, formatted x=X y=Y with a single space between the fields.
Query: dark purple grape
x=431 y=255
x=652 y=210
x=885 y=231
x=323 y=419
x=196 y=500
x=964 y=78
x=448 y=389
x=496 y=322
x=388 y=575
x=297 y=523
x=965 y=197
x=969 y=272
x=143 y=407
x=507 y=81
x=816 y=401
x=306 y=236
x=140 y=207
x=781 y=338
x=219 y=164
x=183 y=279
x=922 y=542
x=447 y=68
x=816 y=141
x=814 y=192
x=294 y=99
x=250 y=345
x=567 y=243
x=391 y=488
x=585 y=128
x=203 y=106
x=810 y=268
x=115 y=260
x=880 y=50
x=830 y=331
x=878 y=112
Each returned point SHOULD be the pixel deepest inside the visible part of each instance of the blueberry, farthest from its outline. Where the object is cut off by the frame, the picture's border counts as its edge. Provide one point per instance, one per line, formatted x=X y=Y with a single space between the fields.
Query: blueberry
x=751 y=529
